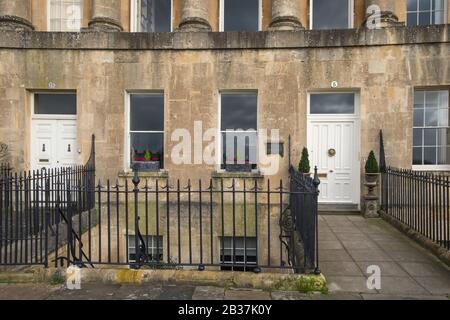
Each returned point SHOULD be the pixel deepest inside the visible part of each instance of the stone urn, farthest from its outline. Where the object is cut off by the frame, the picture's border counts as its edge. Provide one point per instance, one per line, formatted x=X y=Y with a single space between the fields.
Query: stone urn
x=371 y=199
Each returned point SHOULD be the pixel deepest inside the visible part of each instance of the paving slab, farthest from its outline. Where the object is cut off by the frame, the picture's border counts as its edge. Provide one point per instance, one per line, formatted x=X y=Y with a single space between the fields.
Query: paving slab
x=144 y=292
x=334 y=255
x=372 y=255
x=208 y=293
x=176 y=293
x=348 y=284
x=342 y=268
x=330 y=245
x=401 y=286
x=401 y=297
x=435 y=285
x=236 y=294
x=425 y=269
x=289 y=296
x=88 y=292
x=387 y=268
x=26 y=292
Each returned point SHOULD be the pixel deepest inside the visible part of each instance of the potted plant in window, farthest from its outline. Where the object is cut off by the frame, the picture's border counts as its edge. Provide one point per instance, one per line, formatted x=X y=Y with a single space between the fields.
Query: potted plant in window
x=143 y=161
x=238 y=165
x=304 y=165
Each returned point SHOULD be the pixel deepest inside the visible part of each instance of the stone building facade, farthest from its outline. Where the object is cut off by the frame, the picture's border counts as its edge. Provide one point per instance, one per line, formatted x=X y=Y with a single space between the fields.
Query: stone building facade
x=303 y=74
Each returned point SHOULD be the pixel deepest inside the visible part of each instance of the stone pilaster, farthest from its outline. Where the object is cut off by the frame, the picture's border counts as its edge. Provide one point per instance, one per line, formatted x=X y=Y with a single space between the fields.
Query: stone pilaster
x=195 y=16
x=15 y=15
x=383 y=18
x=285 y=15
x=105 y=15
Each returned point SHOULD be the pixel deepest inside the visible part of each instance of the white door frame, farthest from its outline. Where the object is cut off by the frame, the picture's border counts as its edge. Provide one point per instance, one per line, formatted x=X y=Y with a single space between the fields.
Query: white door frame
x=34 y=117
x=338 y=118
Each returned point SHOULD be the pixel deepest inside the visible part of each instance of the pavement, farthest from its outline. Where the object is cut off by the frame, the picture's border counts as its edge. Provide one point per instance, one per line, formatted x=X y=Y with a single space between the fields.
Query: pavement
x=349 y=245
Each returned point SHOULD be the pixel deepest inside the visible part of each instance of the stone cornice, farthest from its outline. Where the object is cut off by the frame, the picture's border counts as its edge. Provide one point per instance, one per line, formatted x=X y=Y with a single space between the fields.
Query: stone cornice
x=225 y=40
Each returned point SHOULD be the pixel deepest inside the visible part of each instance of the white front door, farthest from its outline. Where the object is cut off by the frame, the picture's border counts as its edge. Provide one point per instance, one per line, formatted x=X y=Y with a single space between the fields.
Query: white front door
x=53 y=143
x=333 y=143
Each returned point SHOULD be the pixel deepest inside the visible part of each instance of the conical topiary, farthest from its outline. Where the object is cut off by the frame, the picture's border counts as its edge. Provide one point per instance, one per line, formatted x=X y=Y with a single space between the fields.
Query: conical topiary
x=304 y=165
x=372 y=164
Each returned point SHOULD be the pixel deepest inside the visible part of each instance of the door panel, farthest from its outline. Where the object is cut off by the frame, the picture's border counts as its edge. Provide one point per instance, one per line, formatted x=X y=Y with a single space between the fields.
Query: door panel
x=337 y=172
x=53 y=143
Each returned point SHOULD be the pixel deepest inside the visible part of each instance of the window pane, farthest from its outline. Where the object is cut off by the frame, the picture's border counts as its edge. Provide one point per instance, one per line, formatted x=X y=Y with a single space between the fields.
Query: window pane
x=430 y=155
x=430 y=137
x=412 y=5
x=412 y=19
x=419 y=99
x=239 y=111
x=424 y=5
x=444 y=156
x=424 y=18
x=239 y=148
x=66 y=15
x=340 y=103
x=431 y=117
x=443 y=99
x=438 y=17
x=241 y=15
x=330 y=14
x=418 y=137
x=419 y=117
x=147 y=113
x=438 y=4
x=55 y=104
x=417 y=156
x=444 y=118
x=151 y=142
x=156 y=16
x=443 y=138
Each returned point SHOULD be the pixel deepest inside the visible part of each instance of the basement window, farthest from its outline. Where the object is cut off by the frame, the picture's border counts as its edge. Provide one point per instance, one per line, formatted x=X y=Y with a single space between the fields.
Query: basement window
x=331 y=14
x=65 y=15
x=431 y=129
x=239 y=15
x=153 y=244
x=238 y=255
x=425 y=12
x=151 y=16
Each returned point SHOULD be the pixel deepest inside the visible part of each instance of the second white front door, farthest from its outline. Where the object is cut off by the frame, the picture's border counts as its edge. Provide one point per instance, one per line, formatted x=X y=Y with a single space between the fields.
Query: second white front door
x=53 y=143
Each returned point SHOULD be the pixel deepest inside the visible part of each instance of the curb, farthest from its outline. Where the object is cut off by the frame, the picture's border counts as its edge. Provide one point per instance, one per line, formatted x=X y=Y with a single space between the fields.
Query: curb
x=265 y=281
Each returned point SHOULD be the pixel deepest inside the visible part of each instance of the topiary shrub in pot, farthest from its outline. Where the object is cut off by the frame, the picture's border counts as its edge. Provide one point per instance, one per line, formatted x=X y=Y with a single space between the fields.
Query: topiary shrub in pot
x=372 y=169
x=304 y=165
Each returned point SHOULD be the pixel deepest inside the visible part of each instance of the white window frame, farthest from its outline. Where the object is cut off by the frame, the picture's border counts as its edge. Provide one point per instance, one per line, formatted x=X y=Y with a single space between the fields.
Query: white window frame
x=127 y=143
x=219 y=155
x=135 y=22
x=351 y=14
x=35 y=116
x=49 y=24
x=222 y=19
x=246 y=250
x=445 y=17
x=438 y=167
x=151 y=244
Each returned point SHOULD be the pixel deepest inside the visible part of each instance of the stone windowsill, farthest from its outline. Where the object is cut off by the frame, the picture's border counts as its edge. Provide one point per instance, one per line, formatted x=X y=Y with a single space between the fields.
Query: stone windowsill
x=237 y=175
x=162 y=174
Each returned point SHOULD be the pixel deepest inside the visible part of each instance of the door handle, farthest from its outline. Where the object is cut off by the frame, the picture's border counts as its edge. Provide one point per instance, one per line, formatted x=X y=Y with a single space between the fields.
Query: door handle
x=331 y=171
x=43 y=147
x=68 y=148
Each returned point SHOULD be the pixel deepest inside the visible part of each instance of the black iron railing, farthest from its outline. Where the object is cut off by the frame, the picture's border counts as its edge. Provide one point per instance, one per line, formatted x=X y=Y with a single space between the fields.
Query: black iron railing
x=420 y=200
x=34 y=205
x=304 y=207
